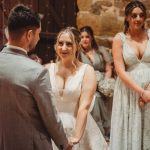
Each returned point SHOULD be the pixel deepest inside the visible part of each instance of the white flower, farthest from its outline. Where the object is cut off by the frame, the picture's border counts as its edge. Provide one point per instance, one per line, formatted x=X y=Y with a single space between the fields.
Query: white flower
x=106 y=87
x=99 y=76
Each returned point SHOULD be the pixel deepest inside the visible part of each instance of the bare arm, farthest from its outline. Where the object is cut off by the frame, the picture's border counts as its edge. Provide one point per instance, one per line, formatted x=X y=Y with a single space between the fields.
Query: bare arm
x=120 y=66
x=108 y=70
x=87 y=93
x=108 y=61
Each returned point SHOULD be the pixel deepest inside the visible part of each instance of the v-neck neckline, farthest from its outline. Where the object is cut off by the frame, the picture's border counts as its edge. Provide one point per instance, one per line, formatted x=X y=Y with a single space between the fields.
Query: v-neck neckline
x=146 y=47
x=88 y=58
x=66 y=82
x=145 y=51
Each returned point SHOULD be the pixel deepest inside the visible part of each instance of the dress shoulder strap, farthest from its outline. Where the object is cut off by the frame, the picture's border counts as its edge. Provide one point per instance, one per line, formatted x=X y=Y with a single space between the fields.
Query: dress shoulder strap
x=148 y=33
x=122 y=36
x=84 y=68
x=51 y=67
x=81 y=72
x=51 y=70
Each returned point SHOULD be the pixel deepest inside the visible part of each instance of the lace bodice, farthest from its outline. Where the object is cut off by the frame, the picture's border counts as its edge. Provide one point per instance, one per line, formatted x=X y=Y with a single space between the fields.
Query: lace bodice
x=130 y=58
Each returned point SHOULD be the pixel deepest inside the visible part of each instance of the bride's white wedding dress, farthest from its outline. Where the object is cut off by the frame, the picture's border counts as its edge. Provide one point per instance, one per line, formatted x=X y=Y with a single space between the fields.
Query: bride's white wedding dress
x=67 y=103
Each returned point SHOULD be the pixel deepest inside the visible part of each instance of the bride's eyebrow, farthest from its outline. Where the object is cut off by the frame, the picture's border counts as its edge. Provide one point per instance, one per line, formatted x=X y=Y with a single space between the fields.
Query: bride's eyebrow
x=68 y=43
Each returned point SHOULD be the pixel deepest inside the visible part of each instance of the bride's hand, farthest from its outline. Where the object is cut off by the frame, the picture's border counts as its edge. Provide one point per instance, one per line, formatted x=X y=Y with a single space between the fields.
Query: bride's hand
x=73 y=140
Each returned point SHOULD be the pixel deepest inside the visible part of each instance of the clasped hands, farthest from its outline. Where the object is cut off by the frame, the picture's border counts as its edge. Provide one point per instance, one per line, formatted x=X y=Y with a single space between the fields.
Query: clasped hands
x=145 y=97
x=72 y=142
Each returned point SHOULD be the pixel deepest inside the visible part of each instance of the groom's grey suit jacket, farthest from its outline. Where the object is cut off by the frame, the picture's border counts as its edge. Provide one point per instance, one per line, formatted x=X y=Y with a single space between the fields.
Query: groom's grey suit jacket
x=28 y=119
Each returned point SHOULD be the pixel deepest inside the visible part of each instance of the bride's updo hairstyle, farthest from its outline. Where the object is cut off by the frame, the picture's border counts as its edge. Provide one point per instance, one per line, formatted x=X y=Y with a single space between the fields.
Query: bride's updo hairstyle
x=128 y=10
x=74 y=36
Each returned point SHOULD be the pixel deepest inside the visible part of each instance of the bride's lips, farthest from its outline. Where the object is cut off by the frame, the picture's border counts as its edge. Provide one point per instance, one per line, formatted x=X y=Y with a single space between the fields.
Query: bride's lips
x=64 y=53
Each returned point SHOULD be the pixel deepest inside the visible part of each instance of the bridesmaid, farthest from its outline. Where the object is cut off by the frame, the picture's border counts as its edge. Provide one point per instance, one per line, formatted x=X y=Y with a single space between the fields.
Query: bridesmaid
x=130 y=124
x=101 y=61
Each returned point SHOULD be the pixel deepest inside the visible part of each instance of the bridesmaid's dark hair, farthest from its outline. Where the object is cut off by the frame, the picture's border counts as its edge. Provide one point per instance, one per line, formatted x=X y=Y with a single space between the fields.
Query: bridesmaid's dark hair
x=89 y=30
x=128 y=10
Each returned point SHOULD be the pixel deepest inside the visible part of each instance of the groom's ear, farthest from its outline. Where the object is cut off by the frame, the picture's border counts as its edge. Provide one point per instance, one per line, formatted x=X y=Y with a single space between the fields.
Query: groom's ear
x=29 y=35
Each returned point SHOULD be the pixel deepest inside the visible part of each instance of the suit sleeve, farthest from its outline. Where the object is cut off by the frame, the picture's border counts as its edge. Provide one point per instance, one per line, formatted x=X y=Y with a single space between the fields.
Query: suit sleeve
x=44 y=99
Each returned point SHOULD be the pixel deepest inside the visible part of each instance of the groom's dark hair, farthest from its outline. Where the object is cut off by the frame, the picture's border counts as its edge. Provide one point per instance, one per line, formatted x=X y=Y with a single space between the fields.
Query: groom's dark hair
x=22 y=18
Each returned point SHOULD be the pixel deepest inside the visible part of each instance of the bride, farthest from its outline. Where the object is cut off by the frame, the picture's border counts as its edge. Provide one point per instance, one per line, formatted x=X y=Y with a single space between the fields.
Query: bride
x=74 y=84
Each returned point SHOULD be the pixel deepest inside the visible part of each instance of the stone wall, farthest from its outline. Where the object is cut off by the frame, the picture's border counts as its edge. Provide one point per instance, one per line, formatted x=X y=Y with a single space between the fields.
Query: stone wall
x=106 y=17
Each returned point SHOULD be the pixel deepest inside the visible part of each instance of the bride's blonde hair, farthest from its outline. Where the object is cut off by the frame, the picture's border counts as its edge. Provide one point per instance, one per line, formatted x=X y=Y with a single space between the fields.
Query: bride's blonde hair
x=75 y=38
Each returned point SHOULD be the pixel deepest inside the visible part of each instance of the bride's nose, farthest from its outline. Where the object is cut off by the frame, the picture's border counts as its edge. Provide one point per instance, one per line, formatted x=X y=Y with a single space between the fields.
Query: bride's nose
x=64 y=46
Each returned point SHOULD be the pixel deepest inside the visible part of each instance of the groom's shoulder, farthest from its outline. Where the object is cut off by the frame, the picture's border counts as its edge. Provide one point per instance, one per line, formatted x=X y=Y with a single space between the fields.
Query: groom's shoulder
x=31 y=67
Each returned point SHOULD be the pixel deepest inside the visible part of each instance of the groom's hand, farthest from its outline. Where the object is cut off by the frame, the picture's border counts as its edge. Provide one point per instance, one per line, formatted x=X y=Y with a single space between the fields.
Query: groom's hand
x=69 y=146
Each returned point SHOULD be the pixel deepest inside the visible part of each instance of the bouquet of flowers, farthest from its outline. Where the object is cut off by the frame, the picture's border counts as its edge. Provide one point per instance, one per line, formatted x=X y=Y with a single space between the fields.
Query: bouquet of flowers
x=106 y=87
x=99 y=76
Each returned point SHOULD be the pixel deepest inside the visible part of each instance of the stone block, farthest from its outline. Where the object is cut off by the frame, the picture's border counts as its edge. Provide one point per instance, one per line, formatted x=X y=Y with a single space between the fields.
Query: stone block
x=84 y=5
x=86 y=18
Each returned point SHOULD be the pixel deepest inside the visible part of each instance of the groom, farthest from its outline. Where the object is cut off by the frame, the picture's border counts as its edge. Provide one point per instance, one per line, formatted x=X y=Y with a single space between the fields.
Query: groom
x=28 y=118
